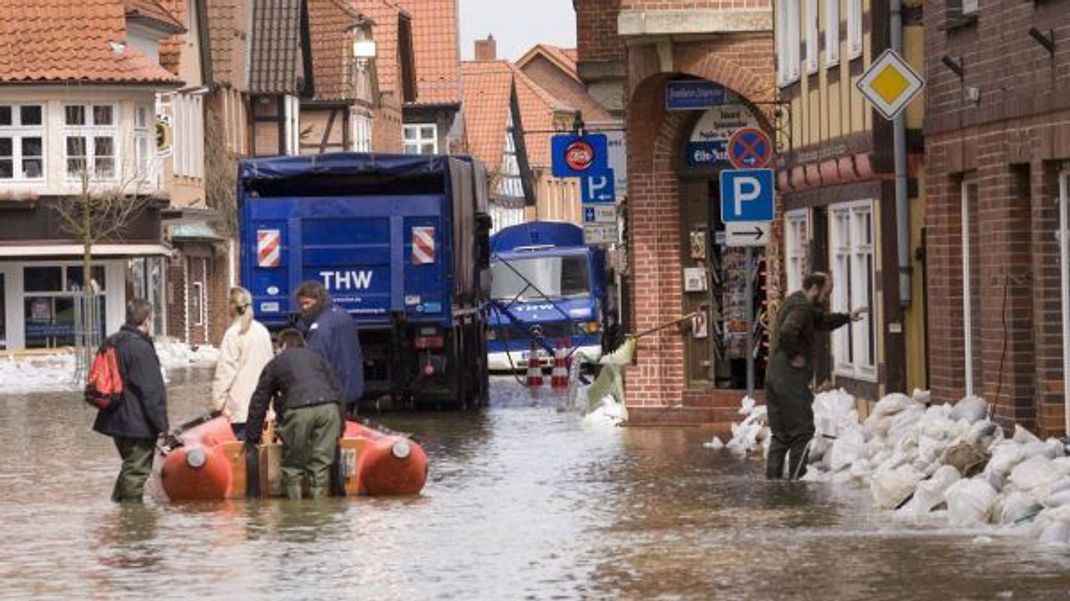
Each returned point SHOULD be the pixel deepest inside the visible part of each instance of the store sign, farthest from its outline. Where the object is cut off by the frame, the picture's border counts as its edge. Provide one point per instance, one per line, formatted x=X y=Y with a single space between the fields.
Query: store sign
x=708 y=144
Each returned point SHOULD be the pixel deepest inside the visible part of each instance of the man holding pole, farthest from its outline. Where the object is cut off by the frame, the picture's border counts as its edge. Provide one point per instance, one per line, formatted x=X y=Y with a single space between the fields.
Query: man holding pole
x=791 y=368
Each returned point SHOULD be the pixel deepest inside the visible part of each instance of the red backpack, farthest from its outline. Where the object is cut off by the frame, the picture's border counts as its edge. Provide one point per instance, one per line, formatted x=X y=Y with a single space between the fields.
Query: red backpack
x=104 y=383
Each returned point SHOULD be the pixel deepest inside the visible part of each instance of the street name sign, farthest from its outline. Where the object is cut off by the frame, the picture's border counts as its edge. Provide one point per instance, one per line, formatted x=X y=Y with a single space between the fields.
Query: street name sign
x=890 y=84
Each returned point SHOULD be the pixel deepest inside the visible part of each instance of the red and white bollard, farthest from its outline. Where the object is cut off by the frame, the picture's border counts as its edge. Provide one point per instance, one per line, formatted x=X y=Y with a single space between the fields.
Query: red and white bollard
x=559 y=376
x=534 y=379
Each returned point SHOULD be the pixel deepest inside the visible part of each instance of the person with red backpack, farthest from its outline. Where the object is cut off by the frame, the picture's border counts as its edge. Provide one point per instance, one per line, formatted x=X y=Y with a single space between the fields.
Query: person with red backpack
x=134 y=413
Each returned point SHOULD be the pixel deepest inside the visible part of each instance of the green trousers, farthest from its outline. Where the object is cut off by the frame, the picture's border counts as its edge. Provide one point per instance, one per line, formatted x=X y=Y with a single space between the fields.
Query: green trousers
x=137 y=466
x=309 y=441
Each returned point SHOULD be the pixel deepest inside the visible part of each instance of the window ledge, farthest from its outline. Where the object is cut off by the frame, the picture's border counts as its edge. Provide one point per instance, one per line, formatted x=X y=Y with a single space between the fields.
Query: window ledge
x=958 y=23
x=856 y=373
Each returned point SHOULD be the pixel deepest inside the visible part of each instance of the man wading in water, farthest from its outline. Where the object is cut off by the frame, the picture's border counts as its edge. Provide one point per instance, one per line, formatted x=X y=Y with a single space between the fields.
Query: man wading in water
x=791 y=368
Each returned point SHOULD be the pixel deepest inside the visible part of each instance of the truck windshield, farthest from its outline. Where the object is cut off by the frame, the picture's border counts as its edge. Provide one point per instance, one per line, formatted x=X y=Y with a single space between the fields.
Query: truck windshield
x=556 y=277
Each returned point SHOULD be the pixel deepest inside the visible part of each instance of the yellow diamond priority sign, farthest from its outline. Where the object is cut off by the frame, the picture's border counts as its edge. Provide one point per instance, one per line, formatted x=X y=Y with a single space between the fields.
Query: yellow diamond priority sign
x=890 y=84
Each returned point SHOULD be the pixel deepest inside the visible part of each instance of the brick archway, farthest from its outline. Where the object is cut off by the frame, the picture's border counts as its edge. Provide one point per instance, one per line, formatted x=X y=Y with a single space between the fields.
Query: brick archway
x=655 y=141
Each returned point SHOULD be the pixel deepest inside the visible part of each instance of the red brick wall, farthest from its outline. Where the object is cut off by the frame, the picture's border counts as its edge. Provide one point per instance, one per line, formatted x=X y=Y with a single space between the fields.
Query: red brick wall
x=596 y=30
x=1010 y=143
x=198 y=264
x=655 y=141
x=386 y=126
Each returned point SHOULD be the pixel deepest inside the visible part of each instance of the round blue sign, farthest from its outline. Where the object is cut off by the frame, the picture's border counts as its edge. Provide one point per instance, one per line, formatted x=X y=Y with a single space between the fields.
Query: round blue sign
x=750 y=148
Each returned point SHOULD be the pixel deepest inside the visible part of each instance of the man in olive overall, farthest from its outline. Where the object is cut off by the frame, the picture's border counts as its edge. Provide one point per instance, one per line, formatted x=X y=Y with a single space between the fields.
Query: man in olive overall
x=791 y=368
x=307 y=401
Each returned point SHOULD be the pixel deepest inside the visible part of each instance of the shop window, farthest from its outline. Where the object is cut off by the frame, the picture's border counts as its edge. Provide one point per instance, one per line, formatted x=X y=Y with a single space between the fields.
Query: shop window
x=787 y=41
x=851 y=253
x=50 y=294
x=796 y=247
x=42 y=279
x=421 y=138
x=854 y=28
x=89 y=133
x=22 y=135
x=832 y=32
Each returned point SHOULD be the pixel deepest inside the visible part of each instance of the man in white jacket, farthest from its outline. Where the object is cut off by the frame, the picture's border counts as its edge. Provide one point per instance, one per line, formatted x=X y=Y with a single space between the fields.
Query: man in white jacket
x=246 y=349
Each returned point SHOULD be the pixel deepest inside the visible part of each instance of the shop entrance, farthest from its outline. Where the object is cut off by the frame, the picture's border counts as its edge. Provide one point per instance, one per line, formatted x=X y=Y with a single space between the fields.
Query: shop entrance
x=715 y=285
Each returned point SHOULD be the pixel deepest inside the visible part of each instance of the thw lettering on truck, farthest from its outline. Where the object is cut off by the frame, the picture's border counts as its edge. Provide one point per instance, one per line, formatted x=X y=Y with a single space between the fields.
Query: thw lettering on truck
x=347 y=280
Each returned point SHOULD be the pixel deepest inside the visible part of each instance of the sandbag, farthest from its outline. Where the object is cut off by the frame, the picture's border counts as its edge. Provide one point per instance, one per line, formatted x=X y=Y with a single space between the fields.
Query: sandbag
x=847 y=449
x=984 y=433
x=1033 y=473
x=970 y=408
x=969 y=459
x=969 y=502
x=1005 y=456
x=1014 y=506
x=1055 y=532
x=1057 y=499
x=891 y=487
x=893 y=403
x=930 y=493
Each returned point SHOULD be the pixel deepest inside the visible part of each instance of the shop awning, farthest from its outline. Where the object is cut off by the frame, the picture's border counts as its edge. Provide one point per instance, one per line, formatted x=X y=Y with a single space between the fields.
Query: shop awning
x=99 y=250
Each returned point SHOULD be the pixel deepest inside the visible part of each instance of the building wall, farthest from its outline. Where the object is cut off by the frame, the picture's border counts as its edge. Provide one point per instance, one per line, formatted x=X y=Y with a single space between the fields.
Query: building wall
x=386 y=125
x=557 y=199
x=320 y=121
x=1004 y=127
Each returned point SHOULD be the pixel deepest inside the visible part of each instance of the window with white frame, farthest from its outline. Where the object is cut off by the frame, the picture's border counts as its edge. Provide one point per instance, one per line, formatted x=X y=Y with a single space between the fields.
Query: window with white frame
x=144 y=147
x=854 y=28
x=832 y=32
x=851 y=252
x=362 y=132
x=787 y=41
x=89 y=132
x=811 y=37
x=188 y=135
x=421 y=138
x=22 y=135
x=292 y=109
x=797 y=247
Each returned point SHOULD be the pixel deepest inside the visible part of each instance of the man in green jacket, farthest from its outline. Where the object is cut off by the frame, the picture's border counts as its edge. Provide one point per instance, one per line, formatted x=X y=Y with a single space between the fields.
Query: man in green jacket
x=791 y=368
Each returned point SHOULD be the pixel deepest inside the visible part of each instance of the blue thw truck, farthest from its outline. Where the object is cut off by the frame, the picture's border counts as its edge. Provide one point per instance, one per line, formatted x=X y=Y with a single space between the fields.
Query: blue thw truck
x=400 y=242
x=549 y=290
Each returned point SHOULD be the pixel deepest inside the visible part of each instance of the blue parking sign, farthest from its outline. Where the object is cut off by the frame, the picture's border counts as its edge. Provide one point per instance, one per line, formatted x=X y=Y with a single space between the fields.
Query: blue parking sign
x=747 y=195
x=598 y=189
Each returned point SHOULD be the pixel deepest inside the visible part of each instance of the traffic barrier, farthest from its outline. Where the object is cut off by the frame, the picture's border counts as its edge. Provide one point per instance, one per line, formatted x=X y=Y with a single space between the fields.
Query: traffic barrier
x=534 y=379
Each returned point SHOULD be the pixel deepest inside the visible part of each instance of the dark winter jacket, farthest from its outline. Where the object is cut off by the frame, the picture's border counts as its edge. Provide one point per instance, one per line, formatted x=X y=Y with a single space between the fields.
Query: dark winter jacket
x=797 y=322
x=333 y=335
x=142 y=413
x=296 y=378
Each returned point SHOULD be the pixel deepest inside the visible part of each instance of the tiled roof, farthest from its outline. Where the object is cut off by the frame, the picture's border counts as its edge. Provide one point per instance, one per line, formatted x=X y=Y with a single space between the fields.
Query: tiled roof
x=228 y=40
x=488 y=87
x=171 y=48
x=329 y=21
x=437 y=49
x=71 y=40
x=154 y=13
x=538 y=110
x=388 y=60
x=552 y=69
x=275 y=48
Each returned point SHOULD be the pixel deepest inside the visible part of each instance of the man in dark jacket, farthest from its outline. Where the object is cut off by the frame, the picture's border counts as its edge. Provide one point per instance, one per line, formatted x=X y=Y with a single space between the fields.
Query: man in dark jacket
x=141 y=416
x=332 y=333
x=306 y=398
x=791 y=368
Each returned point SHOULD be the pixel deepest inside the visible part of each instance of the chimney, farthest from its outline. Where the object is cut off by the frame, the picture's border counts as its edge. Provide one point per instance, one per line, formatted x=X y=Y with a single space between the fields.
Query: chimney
x=487 y=50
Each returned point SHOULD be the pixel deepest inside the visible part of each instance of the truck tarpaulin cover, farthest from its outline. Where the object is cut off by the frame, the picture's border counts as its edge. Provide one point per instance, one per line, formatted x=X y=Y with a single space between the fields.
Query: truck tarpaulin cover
x=359 y=174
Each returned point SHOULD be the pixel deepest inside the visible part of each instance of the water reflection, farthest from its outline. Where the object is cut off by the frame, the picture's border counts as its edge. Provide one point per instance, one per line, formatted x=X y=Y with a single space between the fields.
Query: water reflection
x=523 y=503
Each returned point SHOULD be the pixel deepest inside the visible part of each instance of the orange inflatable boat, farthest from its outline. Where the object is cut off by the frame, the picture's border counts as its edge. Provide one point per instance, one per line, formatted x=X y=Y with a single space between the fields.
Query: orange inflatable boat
x=206 y=462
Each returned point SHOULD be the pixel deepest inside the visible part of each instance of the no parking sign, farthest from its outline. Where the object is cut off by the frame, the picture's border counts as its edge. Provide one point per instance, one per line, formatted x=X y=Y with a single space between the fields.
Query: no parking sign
x=750 y=148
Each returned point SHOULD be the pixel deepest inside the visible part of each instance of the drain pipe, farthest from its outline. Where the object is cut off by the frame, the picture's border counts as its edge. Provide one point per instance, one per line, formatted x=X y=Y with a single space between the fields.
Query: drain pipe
x=902 y=201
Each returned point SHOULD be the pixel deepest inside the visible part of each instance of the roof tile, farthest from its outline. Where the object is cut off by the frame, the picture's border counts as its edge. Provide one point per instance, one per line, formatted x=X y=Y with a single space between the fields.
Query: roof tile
x=437 y=50
x=488 y=87
x=71 y=40
x=388 y=62
x=276 y=40
x=329 y=24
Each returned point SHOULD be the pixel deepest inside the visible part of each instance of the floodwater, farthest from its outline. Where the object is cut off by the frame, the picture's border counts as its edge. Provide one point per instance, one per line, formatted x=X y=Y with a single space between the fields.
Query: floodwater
x=523 y=502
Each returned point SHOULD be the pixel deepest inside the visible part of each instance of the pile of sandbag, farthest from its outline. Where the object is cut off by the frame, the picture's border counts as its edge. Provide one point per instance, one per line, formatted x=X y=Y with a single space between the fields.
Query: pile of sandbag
x=748 y=434
x=951 y=462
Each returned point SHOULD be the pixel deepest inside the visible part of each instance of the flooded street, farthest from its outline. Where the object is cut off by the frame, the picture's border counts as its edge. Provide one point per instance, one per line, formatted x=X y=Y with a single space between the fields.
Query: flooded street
x=523 y=502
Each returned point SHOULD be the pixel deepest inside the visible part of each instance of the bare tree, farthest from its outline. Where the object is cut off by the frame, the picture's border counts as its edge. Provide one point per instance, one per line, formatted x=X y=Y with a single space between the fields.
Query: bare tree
x=97 y=213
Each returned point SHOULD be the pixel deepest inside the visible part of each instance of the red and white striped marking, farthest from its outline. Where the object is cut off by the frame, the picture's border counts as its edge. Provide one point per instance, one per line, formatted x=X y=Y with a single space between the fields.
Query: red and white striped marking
x=423 y=245
x=268 y=248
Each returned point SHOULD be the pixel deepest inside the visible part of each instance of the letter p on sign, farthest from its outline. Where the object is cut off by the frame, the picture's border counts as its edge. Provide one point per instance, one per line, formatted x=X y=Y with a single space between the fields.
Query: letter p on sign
x=747 y=195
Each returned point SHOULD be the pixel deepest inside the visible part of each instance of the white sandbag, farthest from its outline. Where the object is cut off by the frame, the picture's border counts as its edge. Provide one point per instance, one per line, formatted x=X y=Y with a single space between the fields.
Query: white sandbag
x=1055 y=532
x=971 y=408
x=1023 y=436
x=746 y=406
x=1062 y=464
x=1005 y=456
x=716 y=444
x=904 y=422
x=969 y=502
x=930 y=493
x=891 y=487
x=1033 y=473
x=1057 y=499
x=1014 y=506
x=893 y=403
x=847 y=449
x=921 y=396
x=984 y=433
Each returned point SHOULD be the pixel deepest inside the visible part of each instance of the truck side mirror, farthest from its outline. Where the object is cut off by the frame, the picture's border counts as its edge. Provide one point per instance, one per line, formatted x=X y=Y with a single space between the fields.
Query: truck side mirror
x=483 y=226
